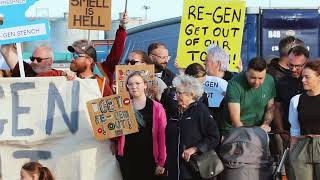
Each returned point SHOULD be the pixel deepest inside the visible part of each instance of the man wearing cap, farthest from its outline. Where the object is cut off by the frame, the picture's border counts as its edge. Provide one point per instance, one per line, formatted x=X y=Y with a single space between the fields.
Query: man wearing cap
x=84 y=58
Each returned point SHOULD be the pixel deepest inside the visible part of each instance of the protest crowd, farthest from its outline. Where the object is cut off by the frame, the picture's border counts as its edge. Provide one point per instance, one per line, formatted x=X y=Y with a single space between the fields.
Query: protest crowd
x=188 y=132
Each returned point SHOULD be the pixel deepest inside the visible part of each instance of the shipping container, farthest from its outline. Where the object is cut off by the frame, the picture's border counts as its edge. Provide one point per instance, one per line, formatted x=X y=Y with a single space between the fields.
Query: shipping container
x=279 y=23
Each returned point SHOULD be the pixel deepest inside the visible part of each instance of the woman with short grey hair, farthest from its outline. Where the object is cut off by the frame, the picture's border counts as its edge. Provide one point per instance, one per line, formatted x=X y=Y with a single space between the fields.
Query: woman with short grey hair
x=198 y=132
x=189 y=84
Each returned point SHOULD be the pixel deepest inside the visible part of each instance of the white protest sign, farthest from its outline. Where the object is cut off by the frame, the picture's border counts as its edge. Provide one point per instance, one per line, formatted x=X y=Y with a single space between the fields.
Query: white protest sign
x=46 y=119
x=215 y=88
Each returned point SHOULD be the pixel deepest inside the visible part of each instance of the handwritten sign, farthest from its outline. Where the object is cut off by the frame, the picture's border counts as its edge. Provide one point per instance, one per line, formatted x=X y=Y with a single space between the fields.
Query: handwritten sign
x=46 y=120
x=216 y=89
x=112 y=116
x=15 y=27
x=211 y=21
x=122 y=72
x=90 y=14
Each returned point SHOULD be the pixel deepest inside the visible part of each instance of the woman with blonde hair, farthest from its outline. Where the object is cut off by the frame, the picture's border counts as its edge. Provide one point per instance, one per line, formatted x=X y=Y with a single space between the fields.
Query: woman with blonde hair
x=142 y=155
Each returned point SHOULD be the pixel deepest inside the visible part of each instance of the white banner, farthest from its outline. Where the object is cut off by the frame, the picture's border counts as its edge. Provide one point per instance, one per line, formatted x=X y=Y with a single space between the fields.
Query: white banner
x=46 y=119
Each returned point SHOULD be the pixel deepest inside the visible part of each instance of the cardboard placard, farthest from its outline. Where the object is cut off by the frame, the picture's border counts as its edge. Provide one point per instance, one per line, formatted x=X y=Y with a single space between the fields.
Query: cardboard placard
x=15 y=26
x=211 y=21
x=112 y=116
x=90 y=14
x=122 y=72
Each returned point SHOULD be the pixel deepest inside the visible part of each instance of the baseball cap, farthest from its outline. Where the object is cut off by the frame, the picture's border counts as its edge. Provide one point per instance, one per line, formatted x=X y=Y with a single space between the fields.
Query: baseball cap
x=84 y=47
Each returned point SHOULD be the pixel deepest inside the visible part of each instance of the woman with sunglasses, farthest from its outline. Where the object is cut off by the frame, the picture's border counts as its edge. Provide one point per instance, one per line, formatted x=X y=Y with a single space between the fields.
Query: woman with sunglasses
x=138 y=57
x=142 y=155
x=304 y=118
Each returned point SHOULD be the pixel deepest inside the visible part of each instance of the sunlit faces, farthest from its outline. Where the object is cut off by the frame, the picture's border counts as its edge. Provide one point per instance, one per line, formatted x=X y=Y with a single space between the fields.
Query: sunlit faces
x=184 y=97
x=134 y=59
x=80 y=62
x=160 y=56
x=310 y=79
x=255 y=78
x=211 y=66
x=296 y=64
x=136 y=86
x=41 y=60
x=24 y=175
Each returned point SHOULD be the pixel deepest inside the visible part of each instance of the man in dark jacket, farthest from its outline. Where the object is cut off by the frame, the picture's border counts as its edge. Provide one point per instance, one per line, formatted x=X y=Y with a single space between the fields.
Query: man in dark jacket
x=278 y=67
x=159 y=56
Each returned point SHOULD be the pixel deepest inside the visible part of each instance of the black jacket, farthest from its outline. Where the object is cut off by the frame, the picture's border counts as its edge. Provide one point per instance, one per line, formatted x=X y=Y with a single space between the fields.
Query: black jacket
x=167 y=77
x=197 y=128
x=277 y=71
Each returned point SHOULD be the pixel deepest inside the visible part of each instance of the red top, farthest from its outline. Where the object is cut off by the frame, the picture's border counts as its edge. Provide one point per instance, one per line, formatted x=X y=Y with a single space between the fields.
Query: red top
x=109 y=65
x=52 y=72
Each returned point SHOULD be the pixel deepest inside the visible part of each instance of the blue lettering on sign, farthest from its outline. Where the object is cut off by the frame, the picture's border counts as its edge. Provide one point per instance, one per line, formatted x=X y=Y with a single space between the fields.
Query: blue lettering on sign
x=33 y=155
x=54 y=98
x=16 y=109
x=2 y=121
x=15 y=27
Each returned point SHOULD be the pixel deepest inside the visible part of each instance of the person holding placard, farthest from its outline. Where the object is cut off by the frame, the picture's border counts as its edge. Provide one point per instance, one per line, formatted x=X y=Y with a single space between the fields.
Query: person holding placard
x=108 y=67
x=142 y=155
x=35 y=171
x=138 y=57
x=41 y=62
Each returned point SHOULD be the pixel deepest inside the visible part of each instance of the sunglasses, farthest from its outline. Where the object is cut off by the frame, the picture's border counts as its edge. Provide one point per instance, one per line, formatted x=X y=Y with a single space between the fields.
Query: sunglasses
x=132 y=61
x=38 y=59
x=77 y=56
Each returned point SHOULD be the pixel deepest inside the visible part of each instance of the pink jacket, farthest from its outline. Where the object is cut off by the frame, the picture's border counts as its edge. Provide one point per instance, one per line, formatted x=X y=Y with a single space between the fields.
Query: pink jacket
x=158 y=135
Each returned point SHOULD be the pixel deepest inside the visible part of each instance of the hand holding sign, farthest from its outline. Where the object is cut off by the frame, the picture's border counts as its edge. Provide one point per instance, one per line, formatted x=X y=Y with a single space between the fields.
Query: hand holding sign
x=124 y=20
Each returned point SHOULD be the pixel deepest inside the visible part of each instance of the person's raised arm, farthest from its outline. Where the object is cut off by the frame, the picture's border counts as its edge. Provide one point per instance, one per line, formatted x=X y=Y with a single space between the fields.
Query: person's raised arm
x=117 y=49
x=9 y=53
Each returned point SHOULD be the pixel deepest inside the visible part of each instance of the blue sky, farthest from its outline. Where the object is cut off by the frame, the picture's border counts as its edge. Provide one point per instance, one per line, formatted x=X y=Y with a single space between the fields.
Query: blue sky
x=159 y=9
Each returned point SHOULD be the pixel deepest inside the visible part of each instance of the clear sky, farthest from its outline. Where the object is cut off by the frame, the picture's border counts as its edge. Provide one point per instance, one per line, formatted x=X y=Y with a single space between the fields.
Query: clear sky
x=159 y=9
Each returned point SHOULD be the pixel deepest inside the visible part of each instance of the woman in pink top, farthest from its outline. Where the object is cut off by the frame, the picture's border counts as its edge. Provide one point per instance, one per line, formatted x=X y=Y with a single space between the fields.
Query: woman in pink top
x=142 y=155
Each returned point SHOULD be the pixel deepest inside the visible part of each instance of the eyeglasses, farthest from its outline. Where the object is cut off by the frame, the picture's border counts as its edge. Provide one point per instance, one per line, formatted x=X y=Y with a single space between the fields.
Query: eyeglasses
x=131 y=61
x=297 y=66
x=179 y=93
x=77 y=56
x=38 y=59
x=162 y=57
x=129 y=85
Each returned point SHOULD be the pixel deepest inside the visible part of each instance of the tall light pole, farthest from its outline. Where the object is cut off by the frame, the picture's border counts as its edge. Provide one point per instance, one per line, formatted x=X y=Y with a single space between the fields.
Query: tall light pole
x=145 y=7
